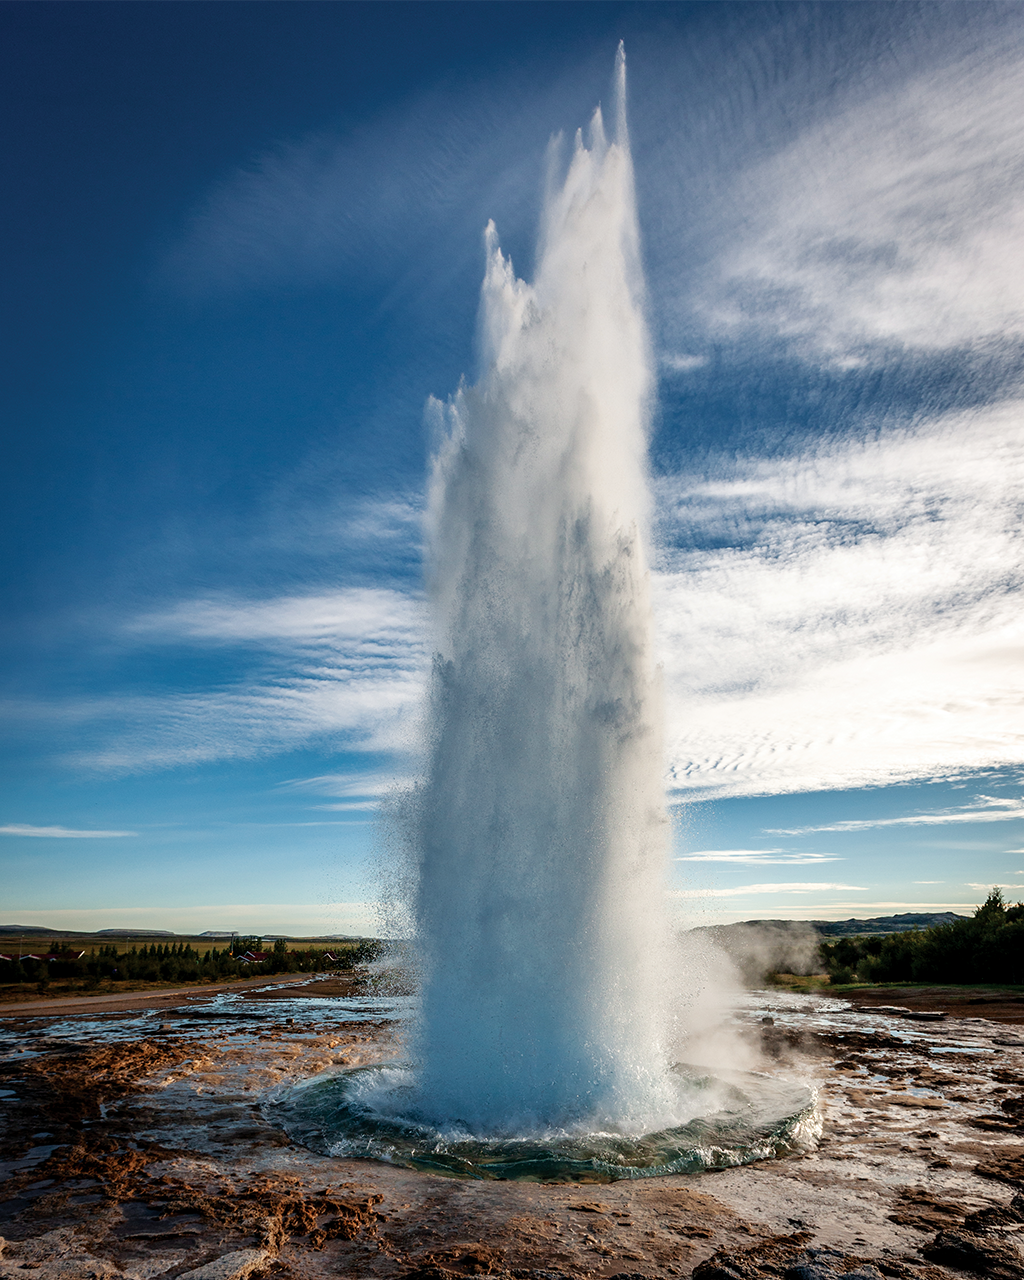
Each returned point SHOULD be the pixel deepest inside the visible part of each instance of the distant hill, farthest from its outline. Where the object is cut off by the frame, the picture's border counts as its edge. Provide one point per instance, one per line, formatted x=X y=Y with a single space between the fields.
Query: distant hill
x=884 y=924
x=757 y=947
x=111 y=935
x=38 y=931
x=842 y=928
x=135 y=933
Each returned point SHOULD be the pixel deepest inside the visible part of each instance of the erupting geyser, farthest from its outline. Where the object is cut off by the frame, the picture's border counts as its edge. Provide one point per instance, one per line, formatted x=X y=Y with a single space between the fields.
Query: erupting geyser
x=541 y=826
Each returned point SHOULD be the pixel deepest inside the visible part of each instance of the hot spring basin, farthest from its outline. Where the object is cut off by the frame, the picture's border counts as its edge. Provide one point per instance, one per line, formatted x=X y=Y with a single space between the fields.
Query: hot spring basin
x=749 y=1117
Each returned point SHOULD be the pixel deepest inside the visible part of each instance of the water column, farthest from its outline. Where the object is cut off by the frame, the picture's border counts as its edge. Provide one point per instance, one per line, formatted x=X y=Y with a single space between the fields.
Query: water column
x=542 y=830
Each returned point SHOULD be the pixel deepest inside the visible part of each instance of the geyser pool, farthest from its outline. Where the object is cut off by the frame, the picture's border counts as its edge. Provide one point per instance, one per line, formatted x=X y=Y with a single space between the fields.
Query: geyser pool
x=540 y=829
x=373 y=1112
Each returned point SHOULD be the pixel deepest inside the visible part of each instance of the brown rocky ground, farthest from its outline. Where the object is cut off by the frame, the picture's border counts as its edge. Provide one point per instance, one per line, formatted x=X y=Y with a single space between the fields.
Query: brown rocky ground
x=997 y=1004
x=134 y=1145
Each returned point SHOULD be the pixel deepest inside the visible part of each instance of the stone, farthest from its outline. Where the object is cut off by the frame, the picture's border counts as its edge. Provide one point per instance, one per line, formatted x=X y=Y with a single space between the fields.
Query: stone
x=809 y=1271
x=965 y=1252
x=57 y=1255
x=231 y=1266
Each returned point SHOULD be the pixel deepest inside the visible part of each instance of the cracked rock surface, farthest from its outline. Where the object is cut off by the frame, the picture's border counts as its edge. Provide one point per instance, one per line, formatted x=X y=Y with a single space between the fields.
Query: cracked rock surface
x=134 y=1145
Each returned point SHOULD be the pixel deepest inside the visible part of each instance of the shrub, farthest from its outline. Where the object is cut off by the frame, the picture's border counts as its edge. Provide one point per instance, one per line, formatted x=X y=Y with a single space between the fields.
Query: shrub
x=987 y=948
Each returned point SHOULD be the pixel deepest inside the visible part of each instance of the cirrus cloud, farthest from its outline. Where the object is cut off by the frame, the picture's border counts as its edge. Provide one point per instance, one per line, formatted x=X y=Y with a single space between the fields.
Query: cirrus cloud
x=59 y=833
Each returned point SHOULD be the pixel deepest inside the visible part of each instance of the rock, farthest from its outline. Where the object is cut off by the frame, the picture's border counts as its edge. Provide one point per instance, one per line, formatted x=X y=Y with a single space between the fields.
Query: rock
x=770 y=1256
x=148 y=1269
x=231 y=1266
x=912 y=1100
x=809 y=1271
x=1005 y=1166
x=53 y=1256
x=966 y=1252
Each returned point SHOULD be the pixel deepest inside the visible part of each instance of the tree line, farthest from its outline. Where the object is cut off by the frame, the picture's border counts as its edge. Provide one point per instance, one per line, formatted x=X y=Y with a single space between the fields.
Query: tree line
x=988 y=947
x=181 y=962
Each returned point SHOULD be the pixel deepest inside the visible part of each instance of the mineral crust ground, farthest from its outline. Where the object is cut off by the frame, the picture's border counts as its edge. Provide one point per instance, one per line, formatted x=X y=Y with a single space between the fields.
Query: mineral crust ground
x=134 y=1145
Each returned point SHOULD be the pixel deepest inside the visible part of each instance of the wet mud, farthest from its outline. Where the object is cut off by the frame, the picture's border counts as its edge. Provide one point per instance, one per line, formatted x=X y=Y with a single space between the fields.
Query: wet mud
x=136 y=1145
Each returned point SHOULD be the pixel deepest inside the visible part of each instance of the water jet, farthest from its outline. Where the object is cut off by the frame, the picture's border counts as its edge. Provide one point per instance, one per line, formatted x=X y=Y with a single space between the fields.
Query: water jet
x=540 y=829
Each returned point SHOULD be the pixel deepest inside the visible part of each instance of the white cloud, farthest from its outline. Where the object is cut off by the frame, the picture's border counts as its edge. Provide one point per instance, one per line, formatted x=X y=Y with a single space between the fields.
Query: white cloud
x=346 y=805
x=680 y=363
x=59 y=833
x=345 y=668
x=378 y=621
x=356 y=783
x=758 y=889
x=857 y=617
x=898 y=220
x=758 y=857
x=984 y=809
x=929 y=882
x=341 y=707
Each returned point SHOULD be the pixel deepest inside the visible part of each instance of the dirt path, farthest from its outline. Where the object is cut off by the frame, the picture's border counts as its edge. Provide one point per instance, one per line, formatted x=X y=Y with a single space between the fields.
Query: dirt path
x=128 y=1001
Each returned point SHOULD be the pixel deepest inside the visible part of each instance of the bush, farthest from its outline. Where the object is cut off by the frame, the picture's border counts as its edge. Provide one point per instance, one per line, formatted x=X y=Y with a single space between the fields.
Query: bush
x=987 y=948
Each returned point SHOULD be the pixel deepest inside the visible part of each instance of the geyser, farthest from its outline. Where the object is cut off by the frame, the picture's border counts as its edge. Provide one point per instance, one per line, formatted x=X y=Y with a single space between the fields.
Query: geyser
x=543 y=825
x=541 y=828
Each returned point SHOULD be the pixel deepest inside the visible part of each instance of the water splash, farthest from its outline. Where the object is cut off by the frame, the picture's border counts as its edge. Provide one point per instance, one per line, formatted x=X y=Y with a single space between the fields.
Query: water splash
x=542 y=826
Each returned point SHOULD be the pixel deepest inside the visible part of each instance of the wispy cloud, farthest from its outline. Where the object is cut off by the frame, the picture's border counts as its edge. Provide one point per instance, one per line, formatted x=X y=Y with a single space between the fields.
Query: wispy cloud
x=849 y=617
x=344 y=806
x=399 y=200
x=59 y=833
x=358 y=783
x=377 y=620
x=984 y=809
x=343 y=668
x=680 y=363
x=771 y=888
x=896 y=221
x=758 y=857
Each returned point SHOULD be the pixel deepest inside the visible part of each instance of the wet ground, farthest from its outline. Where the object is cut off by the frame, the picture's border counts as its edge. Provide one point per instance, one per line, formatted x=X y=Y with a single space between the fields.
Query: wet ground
x=135 y=1145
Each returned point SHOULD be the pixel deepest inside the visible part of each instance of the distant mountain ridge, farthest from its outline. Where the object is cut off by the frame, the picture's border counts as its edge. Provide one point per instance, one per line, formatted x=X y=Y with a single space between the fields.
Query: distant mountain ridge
x=845 y=928
x=111 y=935
x=885 y=924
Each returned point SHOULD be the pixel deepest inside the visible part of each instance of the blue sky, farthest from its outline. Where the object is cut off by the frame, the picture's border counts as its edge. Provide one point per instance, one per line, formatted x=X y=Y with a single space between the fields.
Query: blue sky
x=243 y=246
